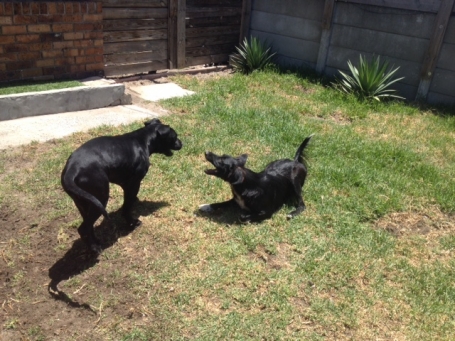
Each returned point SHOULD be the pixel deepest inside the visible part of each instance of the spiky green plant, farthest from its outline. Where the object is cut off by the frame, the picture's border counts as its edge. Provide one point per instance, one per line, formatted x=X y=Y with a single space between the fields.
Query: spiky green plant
x=252 y=55
x=371 y=80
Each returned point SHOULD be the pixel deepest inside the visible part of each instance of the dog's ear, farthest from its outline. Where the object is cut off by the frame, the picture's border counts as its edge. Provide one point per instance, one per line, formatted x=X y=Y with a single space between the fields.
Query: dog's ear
x=154 y=121
x=237 y=176
x=241 y=160
x=163 y=130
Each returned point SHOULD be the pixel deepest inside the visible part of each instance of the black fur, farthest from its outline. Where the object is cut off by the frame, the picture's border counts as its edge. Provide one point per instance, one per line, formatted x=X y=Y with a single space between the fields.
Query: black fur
x=122 y=160
x=261 y=194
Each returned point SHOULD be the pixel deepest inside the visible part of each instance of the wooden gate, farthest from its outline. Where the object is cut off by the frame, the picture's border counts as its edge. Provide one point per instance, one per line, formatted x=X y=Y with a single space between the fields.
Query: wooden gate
x=212 y=30
x=135 y=34
x=142 y=36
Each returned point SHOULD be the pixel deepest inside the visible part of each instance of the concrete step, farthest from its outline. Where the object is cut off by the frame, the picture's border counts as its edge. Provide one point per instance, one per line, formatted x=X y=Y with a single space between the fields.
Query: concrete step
x=95 y=93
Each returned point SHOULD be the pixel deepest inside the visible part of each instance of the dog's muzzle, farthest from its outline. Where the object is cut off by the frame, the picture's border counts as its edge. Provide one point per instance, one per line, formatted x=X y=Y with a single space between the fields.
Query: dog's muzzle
x=209 y=156
x=177 y=146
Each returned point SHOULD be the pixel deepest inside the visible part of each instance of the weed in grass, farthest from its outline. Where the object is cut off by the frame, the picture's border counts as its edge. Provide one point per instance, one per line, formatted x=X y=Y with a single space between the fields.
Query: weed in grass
x=11 y=324
x=17 y=278
x=448 y=243
x=136 y=335
x=36 y=333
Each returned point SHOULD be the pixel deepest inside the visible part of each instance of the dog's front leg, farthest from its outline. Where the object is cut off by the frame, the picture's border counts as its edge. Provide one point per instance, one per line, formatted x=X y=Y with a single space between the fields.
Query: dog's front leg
x=299 y=209
x=254 y=218
x=209 y=208
x=298 y=193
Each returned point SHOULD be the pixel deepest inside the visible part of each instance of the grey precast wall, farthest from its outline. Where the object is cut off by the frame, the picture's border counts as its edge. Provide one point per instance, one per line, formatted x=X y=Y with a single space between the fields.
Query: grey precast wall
x=324 y=35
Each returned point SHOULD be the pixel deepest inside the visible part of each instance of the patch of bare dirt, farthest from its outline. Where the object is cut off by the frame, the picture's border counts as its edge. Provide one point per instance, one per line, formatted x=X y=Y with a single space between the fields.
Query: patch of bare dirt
x=340 y=119
x=278 y=260
x=53 y=288
x=435 y=223
x=226 y=72
x=26 y=251
x=420 y=235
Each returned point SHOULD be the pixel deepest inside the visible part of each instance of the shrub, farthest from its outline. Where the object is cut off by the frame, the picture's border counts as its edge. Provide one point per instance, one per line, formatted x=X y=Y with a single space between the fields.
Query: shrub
x=252 y=55
x=371 y=80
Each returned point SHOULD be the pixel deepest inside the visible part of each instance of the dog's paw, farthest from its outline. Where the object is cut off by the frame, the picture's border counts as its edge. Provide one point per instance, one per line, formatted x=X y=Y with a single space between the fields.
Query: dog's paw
x=245 y=218
x=96 y=248
x=296 y=212
x=292 y=215
x=206 y=208
x=133 y=223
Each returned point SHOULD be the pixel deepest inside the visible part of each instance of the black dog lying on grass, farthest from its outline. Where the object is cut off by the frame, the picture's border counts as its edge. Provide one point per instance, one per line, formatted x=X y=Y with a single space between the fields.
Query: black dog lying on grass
x=122 y=160
x=262 y=194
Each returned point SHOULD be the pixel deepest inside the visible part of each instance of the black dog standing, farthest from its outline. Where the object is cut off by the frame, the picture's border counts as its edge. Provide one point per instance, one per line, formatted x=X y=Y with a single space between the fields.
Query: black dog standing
x=122 y=160
x=261 y=194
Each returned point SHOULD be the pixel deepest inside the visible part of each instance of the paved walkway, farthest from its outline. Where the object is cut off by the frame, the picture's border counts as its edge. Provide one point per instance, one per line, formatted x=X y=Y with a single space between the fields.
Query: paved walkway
x=47 y=127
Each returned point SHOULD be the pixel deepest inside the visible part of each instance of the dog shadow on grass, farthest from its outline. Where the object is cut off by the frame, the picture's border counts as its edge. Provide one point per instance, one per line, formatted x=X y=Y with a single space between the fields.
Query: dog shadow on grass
x=79 y=258
x=228 y=216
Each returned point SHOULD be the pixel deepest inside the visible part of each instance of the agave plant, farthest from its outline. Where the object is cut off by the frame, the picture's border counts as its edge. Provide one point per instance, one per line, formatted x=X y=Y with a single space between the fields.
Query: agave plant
x=252 y=55
x=371 y=80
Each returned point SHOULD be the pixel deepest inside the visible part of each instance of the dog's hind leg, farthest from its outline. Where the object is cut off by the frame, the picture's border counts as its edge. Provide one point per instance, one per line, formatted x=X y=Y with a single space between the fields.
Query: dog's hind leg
x=86 y=230
x=90 y=215
x=130 y=192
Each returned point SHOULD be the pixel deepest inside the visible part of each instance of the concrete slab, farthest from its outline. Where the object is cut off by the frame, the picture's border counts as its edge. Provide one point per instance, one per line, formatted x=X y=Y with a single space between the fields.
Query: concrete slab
x=95 y=93
x=156 y=92
x=47 y=127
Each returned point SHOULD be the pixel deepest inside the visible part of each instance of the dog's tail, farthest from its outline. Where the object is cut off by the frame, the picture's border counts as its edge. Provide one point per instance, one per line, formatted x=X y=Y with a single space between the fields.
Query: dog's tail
x=70 y=186
x=299 y=154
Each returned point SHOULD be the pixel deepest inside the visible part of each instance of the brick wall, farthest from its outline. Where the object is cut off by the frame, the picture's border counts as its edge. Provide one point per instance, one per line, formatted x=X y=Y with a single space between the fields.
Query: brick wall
x=45 y=40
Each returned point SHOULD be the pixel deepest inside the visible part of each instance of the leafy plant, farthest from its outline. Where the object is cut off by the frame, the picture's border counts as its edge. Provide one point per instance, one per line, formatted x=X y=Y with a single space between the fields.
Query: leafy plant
x=371 y=80
x=252 y=55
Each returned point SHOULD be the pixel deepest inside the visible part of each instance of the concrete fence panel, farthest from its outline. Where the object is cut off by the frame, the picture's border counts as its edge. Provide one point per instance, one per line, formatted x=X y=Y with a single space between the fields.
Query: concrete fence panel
x=415 y=36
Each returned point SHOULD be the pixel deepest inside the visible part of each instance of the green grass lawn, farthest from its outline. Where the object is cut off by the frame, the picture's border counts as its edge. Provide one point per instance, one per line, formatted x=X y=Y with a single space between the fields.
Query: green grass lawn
x=371 y=258
x=37 y=86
